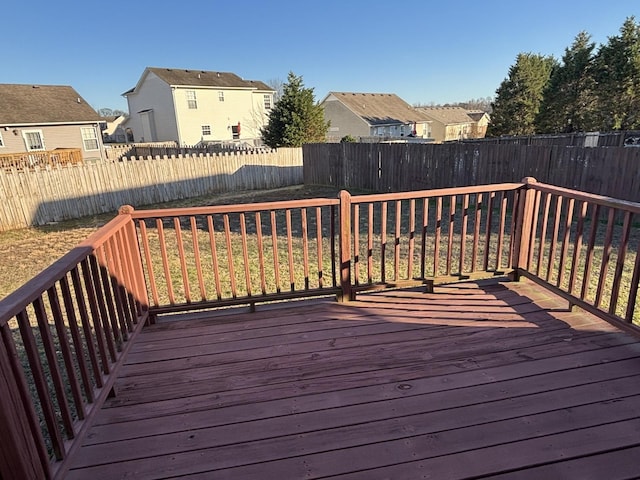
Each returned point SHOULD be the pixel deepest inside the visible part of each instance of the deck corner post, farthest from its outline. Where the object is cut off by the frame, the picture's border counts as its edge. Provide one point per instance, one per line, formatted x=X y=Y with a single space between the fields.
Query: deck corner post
x=523 y=227
x=344 y=230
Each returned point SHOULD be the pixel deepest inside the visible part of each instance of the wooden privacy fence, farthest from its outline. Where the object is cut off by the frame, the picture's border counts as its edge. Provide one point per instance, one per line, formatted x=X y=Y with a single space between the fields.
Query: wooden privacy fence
x=55 y=193
x=64 y=334
x=611 y=171
x=39 y=159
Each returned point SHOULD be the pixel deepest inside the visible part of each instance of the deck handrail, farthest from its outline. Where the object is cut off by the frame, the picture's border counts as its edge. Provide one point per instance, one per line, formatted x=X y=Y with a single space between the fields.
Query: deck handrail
x=64 y=333
x=41 y=158
x=83 y=310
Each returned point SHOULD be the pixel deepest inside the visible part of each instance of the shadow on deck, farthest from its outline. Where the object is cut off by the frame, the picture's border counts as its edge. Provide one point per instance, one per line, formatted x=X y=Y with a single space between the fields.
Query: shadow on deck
x=480 y=379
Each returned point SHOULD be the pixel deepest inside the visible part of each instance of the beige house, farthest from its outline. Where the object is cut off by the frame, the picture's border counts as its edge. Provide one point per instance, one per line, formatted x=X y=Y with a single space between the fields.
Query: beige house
x=367 y=115
x=481 y=122
x=449 y=123
x=197 y=106
x=48 y=122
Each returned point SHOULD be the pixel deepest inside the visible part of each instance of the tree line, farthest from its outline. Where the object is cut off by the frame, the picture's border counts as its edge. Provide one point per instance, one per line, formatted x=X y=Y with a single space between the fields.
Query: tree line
x=589 y=89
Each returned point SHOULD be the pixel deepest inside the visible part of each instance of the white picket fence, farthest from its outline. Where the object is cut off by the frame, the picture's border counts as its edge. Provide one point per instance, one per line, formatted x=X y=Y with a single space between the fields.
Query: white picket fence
x=58 y=193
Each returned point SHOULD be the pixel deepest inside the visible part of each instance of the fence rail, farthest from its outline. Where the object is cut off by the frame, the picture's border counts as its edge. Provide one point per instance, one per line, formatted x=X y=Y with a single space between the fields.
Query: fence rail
x=54 y=193
x=39 y=159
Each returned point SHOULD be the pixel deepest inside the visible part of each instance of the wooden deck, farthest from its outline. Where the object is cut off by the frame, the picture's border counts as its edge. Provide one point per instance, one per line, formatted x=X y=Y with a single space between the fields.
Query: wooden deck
x=482 y=379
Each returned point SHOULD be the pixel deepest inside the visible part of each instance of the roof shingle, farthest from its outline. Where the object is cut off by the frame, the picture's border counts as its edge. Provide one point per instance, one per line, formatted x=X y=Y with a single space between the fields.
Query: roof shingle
x=380 y=108
x=42 y=104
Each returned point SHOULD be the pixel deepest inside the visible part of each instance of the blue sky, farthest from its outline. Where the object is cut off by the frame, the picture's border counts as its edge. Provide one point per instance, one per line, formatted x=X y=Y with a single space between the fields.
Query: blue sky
x=424 y=51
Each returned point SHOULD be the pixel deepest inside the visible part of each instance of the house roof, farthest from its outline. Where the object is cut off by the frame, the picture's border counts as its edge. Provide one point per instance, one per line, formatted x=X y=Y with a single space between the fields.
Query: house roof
x=447 y=115
x=476 y=115
x=42 y=104
x=203 y=78
x=379 y=108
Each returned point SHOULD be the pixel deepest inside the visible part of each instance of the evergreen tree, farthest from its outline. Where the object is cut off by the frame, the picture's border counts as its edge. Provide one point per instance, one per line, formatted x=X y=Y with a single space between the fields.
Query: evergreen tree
x=519 y=96
x=296 y=118
x=569 y=100
x=617 y=72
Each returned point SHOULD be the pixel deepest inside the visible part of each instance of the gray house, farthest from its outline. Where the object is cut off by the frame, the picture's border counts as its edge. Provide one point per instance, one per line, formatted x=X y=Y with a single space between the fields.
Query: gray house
x=367 y=115
x=46 y=124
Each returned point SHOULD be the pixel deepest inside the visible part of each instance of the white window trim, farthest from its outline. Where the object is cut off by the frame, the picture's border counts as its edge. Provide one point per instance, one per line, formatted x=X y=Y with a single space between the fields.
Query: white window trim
x=1 y=141
x=267 y=99
x=208 y=127
x=221 y=96
x=26 y=143
x=191 y=97
x=95 y=133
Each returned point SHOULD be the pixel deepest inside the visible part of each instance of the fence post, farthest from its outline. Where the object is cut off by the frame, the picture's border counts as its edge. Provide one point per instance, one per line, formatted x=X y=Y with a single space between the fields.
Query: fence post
x=524 y=224
x=345 y=247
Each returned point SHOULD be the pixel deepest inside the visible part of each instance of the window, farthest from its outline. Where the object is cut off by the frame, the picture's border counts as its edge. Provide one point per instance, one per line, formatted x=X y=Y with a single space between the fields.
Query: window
x=33 y=139
x=191 y=99
x=89 y=138
x=1 y=140
x=206 y=130
x=221 y=96
x=267 y=102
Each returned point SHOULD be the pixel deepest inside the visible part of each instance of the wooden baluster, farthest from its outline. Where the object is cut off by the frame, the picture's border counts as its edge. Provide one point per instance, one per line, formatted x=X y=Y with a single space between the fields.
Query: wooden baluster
x=196 y=253
x=214 y=256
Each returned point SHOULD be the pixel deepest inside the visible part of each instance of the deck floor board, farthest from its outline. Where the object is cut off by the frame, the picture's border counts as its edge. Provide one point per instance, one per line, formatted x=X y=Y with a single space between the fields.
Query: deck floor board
x=479 y=379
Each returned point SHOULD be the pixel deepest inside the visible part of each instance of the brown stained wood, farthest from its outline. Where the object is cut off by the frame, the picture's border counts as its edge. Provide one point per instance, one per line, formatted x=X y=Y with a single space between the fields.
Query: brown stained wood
x=370 y=221
x=147 y=257
x=534 y=231
x=261 y=265
x=105 y=344
x=436 y=238
x=513 y=226
x=196 y=256
x=135 y=294
x=102 y=295
x=488 y=230
x=230 y=259
x=89 y=340
x=40 y=382
x=292 y=283
x=126 y=315
x=245 y=254
x=79 y=345
x=606 y=256
x=463 y=233
x=383 y=242
x=588 y=264
x=476 y=232
x=565 y=242
x=577 y=248
x=53 y=368
x=633 y=289
x=274 y=246
x=504 y=200
x=305 y=247
x=554 y=239
x=64 y=347
x=137 y=268
x=396 y=241
x=412 y=237
x=450 y=233
x=183 y=259
x=423 y=243
x=346 y=255
x=622 y=252
x=337 y=399
x=165 y=262
x=116 y=302
x=214 y=255
x=356 y=244
x=319 y=247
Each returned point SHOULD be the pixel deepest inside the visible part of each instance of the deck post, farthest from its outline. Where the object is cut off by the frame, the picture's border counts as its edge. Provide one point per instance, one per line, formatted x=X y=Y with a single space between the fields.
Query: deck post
x=19 y=455
x=523 y=228
x=344 y=232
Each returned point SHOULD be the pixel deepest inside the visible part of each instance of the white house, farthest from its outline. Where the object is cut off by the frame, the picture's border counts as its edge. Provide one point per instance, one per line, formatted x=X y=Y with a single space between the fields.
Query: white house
x=197 y=106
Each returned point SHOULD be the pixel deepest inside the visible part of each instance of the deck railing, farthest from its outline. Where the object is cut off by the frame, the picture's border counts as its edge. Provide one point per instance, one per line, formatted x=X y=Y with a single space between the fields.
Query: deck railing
x=65 y=333
x=40 y=158
x=583 y=247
